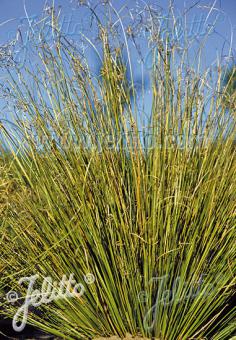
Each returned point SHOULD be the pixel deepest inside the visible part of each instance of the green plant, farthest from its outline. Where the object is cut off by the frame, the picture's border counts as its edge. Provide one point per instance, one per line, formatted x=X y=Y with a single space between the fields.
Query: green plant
x=230 y=87
x=100 y=198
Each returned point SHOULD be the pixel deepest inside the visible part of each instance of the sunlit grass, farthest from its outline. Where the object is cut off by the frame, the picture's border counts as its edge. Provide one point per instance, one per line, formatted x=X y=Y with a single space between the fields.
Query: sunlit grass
x=96 y=197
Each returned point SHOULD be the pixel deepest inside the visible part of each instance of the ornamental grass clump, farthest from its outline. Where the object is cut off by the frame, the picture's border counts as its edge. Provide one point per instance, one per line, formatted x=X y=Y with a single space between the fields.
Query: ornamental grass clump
x=148 y=210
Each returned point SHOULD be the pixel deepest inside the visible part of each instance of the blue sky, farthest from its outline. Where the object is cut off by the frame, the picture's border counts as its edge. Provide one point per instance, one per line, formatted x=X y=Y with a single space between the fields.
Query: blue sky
x=14 y=9
x=13 y=15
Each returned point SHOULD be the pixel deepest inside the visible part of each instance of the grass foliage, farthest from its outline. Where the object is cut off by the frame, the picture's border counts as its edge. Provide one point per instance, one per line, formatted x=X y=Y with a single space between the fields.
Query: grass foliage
x=95 y=193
